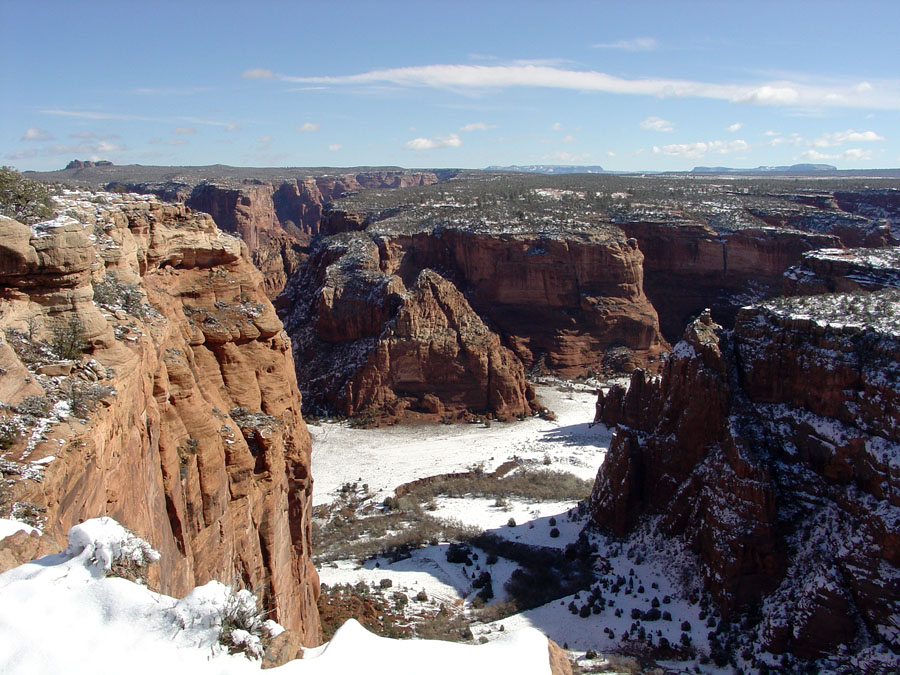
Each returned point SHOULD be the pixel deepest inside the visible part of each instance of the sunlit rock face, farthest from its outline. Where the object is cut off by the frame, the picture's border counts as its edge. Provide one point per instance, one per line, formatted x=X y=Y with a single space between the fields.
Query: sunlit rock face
x=773 y=452
x=185 y=423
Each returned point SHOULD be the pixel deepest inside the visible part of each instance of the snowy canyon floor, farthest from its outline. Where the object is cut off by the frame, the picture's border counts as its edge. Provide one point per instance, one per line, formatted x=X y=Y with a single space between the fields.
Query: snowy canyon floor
x=627 y=598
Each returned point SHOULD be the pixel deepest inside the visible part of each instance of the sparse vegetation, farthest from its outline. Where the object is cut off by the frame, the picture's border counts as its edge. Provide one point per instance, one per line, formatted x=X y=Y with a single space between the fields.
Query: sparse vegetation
x=114 y=294
x=23 y=199
x=68 y=341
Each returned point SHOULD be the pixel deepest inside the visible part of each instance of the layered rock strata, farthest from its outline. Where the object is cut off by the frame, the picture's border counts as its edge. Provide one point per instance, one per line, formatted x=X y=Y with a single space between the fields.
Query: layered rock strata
x=773 y=452
x=365 y=340
x=276 y=217
x=844 y=271
x=559 y=301
x=177 y=412
x=692 y=266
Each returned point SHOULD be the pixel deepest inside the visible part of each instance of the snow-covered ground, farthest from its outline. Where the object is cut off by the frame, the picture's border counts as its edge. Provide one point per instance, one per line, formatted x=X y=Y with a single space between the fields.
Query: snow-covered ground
x=68 y=613
x=390 y=456
x=385 y=458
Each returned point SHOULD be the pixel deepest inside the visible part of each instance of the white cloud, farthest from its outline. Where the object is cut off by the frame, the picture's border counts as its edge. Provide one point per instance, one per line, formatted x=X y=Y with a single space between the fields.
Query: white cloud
x=476 y=126
x=641 y=44
x=849 y=155
x=309 y=126
x=568 y=139
x=737 y=126
x=569 y=157
x=772 y=133
x=727 y=147
x=480 y=77
x=849 y=136
x=184 y=131
x=36 y=134
x=654 y=123
x=264 y=139
x=233 y=126
x=334 y=147
x=87 y=148
x=557 y=126
x=21 y=154
x=610 y=154
x=682 y=149
x=769 y=95
x=700 y=148
x=258 y=74
x=451 y=141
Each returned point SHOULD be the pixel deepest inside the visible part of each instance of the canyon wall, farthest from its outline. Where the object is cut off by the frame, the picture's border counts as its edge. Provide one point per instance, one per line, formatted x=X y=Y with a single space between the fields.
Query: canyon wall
x=554 y=301
x=158 y=389
x=773 y=452
x=691 y=266
x=277 y=217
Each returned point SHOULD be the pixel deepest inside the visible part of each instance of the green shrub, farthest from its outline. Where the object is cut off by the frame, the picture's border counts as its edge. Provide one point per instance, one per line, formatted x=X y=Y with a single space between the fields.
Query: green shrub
x=23 y=199
x=68 y=341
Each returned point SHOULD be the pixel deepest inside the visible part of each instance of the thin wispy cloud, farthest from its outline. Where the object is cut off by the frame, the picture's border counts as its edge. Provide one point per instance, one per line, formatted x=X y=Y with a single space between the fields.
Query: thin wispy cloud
x=37 y=134
x=184 y=131
x=334 y=147
x=450 y=141
x=476 y=126
x=701 y=148
x=654 y=123
x=737 y=126
x=641 y=44
x=92 y=149
x=121 y=117
x=258 y=74
x=849 y=155
x=309 y=126
x=476 y=78
x=849 y=136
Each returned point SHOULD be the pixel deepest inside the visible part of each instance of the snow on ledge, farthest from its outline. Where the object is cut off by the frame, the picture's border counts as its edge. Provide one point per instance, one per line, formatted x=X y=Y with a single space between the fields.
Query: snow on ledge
x=62 y=613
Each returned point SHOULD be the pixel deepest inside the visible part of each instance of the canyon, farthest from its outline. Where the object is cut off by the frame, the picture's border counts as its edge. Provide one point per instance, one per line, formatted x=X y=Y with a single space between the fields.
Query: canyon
x=757 y=431
x=146 y=377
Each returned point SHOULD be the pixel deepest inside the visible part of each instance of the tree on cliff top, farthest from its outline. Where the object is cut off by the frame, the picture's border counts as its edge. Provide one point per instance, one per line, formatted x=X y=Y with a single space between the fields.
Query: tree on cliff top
x=23 y=199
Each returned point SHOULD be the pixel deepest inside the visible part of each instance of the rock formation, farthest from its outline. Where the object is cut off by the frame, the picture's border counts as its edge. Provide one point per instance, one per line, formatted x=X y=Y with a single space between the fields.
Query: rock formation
x=772 y=452
x=367 y=341
x=844 y=271
x=275 y=217
x=554 y=300
x=146 y=377
x=689 y=266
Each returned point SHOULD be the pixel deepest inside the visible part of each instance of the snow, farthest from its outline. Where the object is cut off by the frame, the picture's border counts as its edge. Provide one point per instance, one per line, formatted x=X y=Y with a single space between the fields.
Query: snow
x=64 y=614
x=10 y=527
x=390 y=456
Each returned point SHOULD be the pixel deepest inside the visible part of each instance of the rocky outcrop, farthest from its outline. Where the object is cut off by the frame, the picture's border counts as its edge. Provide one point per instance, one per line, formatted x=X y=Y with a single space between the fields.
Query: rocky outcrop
x=844 y=271
x=179 y=415
x=692 y=266
x=276 y=217
x=364 y=309
x=772 y=451
x=367 y=341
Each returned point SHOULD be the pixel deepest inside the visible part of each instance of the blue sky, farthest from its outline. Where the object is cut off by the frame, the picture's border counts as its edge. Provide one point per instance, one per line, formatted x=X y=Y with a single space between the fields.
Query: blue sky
x=626 y=85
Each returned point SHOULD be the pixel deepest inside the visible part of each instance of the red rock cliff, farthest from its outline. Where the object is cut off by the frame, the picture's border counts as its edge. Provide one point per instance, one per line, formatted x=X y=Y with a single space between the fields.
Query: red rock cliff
x=773 y=451
x=182 y=418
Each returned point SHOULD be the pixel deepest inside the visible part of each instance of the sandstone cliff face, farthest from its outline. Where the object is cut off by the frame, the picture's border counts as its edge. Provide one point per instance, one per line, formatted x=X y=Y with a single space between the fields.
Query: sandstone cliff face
x=559 y=301
x=692 y=266
x=182 y=418
x=277 y=218
x=843 y=271
x=773 y=451
x=365 y=339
